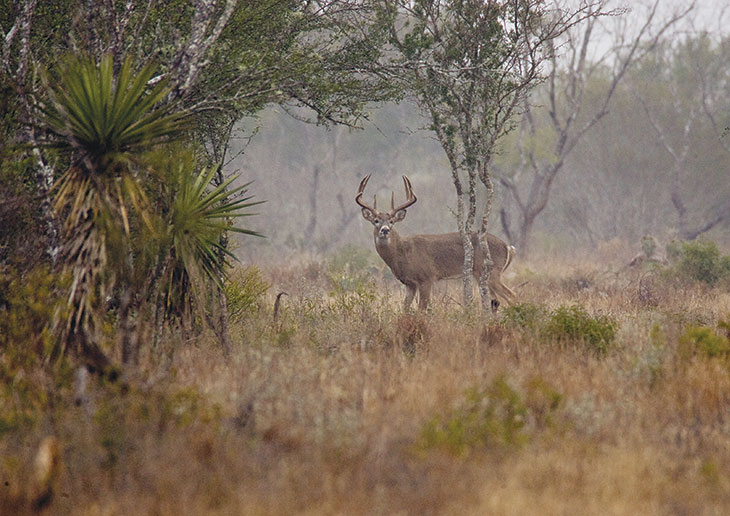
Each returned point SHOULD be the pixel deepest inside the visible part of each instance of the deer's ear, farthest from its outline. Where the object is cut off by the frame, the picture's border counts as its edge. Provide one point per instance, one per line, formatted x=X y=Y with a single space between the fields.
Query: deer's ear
x=368 y=214
x=399 y=215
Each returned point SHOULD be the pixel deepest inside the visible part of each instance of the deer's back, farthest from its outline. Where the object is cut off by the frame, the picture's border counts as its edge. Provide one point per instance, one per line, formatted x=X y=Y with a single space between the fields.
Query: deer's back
x=434 y=257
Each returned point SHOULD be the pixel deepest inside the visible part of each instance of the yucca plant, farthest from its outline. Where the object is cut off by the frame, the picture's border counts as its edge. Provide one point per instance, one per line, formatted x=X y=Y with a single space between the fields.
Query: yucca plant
x=105 y=121
x=199 y=217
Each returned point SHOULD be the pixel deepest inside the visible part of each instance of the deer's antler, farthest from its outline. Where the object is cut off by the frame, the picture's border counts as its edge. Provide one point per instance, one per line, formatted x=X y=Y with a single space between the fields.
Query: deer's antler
x=410 y=197
x=360 y=190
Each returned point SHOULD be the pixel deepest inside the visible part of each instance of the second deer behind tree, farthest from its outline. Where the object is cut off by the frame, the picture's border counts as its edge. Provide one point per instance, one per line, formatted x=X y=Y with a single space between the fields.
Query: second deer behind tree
x=420 y=260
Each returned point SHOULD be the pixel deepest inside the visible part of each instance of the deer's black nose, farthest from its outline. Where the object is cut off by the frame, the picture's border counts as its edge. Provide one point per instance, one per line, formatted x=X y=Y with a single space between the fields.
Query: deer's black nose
x=384 y=231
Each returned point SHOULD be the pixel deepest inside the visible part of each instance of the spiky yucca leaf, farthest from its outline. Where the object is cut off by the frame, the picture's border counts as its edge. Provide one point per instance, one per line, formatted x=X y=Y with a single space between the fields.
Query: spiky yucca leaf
x=199 y=218
x=105 y=117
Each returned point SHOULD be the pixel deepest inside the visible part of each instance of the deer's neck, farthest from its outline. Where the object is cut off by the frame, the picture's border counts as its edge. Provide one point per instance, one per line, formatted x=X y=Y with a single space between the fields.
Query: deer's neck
x=388 y=249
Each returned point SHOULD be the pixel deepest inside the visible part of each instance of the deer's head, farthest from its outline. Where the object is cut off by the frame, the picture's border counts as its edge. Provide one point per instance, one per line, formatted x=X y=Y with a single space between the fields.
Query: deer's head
x=384 y=221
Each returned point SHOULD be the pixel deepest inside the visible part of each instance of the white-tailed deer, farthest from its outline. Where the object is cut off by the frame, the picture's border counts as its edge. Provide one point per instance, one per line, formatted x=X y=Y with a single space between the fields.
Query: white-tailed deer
x=420 y=260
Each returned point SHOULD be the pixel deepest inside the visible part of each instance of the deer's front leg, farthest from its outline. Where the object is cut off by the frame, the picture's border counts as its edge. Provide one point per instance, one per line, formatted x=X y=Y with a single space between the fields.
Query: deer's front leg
x=424 y=295
x=410 y=294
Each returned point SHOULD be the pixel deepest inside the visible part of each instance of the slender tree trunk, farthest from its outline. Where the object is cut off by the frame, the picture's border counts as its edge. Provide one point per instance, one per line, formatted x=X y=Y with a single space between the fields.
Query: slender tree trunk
x=524 y=233
x=468 y=270
x=23 y=89
x=467 y=212
x=223 y=327
x=312 y=224
x=219 y=322
x=484 y=291
x=44 y=181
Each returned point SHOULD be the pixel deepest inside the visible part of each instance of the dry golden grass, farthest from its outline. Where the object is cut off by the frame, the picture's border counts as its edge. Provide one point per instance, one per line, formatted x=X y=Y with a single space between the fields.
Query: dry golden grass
x=324 y=412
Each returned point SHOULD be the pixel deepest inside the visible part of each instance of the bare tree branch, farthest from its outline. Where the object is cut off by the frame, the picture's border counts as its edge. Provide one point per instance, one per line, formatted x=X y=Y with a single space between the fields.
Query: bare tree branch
x=566 y=85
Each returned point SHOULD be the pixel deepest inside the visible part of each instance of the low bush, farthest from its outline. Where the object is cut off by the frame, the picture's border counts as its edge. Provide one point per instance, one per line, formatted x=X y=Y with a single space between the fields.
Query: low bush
x=573 y=324
x=565 y=325
x=702 y=261
x=491 y=417
x=496 y=417
x=27 y=306
x=703 y=341
x=28 y=303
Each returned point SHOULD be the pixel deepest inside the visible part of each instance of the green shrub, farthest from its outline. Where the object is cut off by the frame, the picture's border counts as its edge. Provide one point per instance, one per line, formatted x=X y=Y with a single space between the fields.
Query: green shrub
x=497 y=417
x=566 y=324
x=723 y=267
x=701 y=261
x=701 y=340
x=574 y=324
x=245 y=292
x=28 y=304
x=543 y=401
x=491 y=417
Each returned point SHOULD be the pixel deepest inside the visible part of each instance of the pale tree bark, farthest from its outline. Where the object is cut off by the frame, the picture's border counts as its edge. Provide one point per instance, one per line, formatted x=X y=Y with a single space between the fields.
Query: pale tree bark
x=15 y=68
x=529 y=186
x=486 y=295
x=209 y=20
x=465 y=208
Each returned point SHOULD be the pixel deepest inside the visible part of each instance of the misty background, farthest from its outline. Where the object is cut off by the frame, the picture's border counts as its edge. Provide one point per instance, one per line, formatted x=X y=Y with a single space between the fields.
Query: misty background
x=656 y=163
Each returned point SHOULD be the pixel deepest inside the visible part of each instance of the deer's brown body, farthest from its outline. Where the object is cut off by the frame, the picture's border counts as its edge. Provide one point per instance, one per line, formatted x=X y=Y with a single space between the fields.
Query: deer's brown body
x=419 y=261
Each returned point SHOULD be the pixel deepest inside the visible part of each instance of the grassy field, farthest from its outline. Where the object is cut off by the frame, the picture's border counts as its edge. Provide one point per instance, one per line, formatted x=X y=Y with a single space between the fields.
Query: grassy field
x=602 y=392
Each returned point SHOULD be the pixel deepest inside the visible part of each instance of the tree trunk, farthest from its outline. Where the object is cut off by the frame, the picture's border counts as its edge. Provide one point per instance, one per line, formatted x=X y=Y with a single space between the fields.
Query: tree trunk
x=312 y=224
x=468 y=270
x=484 y=291
x=223 y=328
x=524 y=232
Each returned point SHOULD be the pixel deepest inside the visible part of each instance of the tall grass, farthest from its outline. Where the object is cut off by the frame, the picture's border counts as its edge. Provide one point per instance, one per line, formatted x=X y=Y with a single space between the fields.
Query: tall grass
x=346 y=405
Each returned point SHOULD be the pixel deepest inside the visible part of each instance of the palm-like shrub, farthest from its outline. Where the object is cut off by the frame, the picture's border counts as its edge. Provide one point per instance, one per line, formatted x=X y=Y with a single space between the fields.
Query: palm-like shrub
x=104 y=121
x=199 y=216
x=127 y=223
